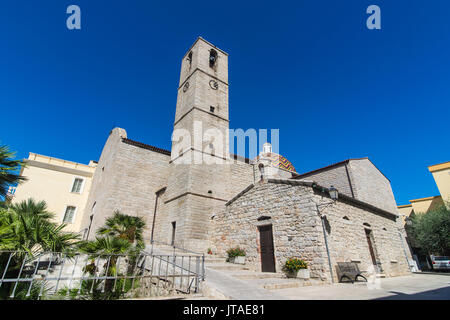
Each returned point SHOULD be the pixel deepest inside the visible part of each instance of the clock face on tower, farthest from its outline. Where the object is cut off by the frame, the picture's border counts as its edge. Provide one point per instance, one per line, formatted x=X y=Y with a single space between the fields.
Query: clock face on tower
x=213 y=84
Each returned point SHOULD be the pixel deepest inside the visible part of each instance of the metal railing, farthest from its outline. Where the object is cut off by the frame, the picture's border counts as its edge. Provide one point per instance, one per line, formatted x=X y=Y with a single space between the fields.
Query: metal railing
x=174 y=247
x=53 y=275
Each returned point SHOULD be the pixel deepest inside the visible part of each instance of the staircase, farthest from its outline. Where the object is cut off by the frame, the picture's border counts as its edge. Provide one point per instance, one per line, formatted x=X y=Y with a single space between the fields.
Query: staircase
x=228 y=281
x=236 y=282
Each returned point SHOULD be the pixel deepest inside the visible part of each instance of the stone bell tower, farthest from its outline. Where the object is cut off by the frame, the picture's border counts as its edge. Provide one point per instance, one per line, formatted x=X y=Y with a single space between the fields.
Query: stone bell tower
x=199 y=166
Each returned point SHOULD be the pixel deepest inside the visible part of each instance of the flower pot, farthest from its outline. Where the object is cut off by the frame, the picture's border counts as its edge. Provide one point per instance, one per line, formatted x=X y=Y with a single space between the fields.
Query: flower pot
x=238 y=260
x=300 y=274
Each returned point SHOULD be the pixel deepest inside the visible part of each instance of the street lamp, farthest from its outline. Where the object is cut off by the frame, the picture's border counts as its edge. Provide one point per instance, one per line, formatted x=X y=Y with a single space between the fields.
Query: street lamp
x=333 y=193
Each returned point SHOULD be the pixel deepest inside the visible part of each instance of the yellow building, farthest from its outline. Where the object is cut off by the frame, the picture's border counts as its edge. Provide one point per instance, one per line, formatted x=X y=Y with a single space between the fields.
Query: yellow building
x=441 y=175
x=64 y=185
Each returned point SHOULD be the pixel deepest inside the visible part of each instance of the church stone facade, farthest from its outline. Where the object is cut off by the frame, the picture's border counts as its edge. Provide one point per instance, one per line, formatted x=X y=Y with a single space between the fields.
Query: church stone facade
x=198 y=196
x=289 y=208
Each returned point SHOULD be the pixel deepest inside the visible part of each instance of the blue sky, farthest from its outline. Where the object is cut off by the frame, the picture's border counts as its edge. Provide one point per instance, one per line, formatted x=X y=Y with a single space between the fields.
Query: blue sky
x=335 y=89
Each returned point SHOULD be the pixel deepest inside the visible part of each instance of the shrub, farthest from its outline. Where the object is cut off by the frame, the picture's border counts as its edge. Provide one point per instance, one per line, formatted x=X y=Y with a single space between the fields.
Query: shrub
x=431 y=230
x=236 y=252
x=294 y=264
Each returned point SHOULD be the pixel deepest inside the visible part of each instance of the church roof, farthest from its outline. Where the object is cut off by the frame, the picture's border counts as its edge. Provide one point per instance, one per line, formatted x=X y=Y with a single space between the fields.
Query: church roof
x=168 y=153
x=146 y=146
x=306 y=174
x=278 y=161
x=281 y=162
x=307 y=183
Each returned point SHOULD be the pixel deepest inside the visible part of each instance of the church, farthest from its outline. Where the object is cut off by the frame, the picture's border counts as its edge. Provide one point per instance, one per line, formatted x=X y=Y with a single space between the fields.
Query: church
x=199 y=196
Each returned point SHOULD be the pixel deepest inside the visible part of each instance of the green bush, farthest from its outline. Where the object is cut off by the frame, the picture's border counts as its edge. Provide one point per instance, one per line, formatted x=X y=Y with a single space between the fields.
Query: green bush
x=431 y=230
x=294 y=264
x=236 y=252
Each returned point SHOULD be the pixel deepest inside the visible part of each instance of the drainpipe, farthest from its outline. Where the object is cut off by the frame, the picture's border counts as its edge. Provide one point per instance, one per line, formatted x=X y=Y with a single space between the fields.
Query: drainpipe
x=91 y=217
x=322 y=218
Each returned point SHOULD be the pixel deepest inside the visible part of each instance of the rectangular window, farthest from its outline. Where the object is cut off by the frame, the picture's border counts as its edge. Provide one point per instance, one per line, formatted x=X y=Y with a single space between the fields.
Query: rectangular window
x=77 y=183
x=69 y=214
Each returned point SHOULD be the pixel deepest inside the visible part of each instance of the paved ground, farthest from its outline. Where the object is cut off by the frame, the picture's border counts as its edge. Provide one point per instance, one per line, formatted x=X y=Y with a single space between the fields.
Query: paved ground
x=229 y=281
x=416 y=286
x=413 y=287
x=222 y=285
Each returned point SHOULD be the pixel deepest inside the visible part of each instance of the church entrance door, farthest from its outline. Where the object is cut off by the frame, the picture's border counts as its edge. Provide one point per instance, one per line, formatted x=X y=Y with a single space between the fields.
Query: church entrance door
x=372 y=252
x=267 y=249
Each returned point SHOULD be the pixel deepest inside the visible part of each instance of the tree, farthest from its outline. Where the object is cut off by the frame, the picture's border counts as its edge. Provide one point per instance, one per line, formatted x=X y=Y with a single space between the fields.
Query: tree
x=8 y=169
x=26 y=230
x=107 y=249
x=27 y=227
x=120 y=238
x=125 y=227
x=431 y=230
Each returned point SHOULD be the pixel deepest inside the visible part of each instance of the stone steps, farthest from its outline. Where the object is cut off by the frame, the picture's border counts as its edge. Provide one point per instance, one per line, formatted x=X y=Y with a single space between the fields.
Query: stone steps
x=212 y=259
x=220 y=284
x=250 y=275
x=274 y=285
x=225 y=266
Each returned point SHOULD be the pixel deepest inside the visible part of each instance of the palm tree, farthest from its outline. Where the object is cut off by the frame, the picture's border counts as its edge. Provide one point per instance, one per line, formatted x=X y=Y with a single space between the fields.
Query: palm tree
x=32 y=207
x=26 y=227
x=8 y=169
x=26 y=230
x=121 y=236
x=108 y=249
x=125 y=227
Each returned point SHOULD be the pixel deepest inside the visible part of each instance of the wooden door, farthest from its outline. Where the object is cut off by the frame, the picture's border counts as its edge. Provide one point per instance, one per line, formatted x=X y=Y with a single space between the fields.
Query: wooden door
x=267 y=250
x=369 y=242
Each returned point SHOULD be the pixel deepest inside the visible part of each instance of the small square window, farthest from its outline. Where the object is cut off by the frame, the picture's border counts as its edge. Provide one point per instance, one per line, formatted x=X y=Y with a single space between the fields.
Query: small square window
x=69 y=214
x=77 y=183
x=212 y=109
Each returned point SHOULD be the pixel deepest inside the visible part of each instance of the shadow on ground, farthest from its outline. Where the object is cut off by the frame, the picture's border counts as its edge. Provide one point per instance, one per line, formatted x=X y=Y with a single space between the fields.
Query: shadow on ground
x=436 y=294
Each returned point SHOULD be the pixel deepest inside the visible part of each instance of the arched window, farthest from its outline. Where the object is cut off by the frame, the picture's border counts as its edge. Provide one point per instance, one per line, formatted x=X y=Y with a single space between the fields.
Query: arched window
x=189 y=59
x=366 y=224
x=212 y=58
x=346 y=218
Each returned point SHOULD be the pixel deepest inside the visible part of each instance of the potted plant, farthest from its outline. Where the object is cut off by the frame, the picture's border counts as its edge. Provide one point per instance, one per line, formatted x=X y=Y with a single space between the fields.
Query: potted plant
x=209 y=251
x=236 y=255
x=296 y=268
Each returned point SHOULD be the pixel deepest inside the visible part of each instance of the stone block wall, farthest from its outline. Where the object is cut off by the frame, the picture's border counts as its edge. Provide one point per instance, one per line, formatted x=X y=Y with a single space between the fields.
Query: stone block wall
x=337 y=176
x=126 y=179
x=371 y=185
x=348 y=242
x=242 y=174
x=360 y=179
x=298 y=232
x=296 y=227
